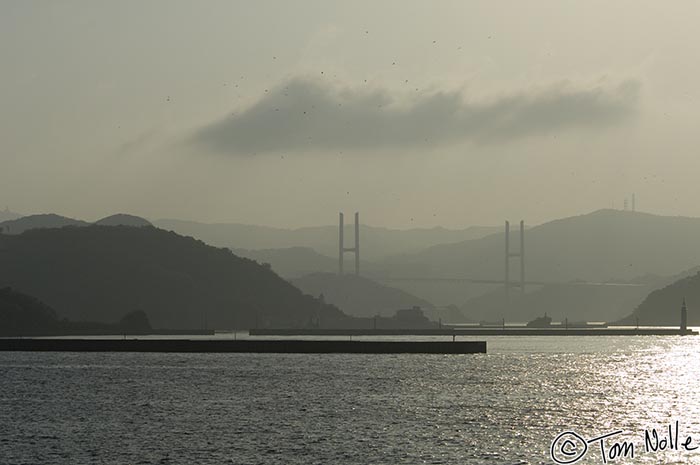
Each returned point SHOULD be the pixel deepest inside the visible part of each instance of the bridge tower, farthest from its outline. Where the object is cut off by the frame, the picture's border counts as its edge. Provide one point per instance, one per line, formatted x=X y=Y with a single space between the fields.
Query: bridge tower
x=520 y=254
x=341 y=247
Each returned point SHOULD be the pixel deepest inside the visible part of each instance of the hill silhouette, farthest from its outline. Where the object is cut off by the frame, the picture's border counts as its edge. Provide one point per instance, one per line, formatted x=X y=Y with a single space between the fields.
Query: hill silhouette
x=662 y=306
x=359 y=296
x=21 y=314
x=98 y=273
x=47 y=220
x=24 y=315
x=122 y=219
x=50 y=220
x=603 y=246
x=376 y=242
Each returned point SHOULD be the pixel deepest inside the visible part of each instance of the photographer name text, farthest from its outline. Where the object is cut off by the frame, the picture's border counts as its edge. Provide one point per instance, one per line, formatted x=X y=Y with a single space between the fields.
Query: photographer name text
x=570 y=447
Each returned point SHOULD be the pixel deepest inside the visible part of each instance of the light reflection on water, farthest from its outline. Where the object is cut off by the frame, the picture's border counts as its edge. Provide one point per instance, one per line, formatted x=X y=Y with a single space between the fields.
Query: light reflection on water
x=501 y=408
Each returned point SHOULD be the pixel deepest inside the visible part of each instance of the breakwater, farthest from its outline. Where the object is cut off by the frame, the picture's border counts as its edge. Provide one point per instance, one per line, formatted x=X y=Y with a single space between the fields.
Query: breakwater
x=242 y=346
x=507 y=331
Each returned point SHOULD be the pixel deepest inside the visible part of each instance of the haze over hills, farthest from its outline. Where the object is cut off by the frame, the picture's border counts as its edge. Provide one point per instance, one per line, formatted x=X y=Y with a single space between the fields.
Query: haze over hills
x=575 y=301
x=51 y=220
x=359 y=296
x=99 y=273
x=46 y=220
x=123 y=219
x=294 y=262
x=376 y=242
x=7 y=214
x=606 y=245
x=602 y=246
x=572 y=301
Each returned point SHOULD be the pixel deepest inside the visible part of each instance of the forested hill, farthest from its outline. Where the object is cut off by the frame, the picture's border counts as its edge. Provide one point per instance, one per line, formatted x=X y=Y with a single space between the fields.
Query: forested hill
x=23 y=315
x=98 y=273
x=18 y=312
x=663 y=306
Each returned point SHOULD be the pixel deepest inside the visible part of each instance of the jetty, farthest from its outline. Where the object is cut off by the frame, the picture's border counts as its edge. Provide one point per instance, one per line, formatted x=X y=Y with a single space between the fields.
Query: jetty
x=481 y=331
x=541 y=326
x=279 y=346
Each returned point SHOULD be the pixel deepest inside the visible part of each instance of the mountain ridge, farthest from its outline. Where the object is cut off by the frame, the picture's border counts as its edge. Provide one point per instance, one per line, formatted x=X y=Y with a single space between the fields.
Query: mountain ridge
x=375 y=242
x=97 y=273
x=601 y=246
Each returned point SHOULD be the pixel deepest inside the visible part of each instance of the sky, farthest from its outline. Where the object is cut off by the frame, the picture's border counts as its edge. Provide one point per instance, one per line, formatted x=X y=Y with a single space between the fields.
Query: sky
x=415 y=113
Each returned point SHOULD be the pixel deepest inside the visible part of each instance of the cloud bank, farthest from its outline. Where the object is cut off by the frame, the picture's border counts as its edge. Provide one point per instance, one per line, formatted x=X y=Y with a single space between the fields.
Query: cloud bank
x=307 y=114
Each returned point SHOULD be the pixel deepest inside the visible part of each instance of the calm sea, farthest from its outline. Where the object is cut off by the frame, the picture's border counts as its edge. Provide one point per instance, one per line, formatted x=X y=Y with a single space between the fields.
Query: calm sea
x=503 y=407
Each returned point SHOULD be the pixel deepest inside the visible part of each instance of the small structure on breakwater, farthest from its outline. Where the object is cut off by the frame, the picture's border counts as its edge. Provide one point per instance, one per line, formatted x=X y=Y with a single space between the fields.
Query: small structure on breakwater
x=684 y=316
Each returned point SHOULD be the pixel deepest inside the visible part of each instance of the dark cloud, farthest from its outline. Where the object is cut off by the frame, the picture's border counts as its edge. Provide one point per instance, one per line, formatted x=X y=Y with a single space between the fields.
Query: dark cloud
x=306 y=114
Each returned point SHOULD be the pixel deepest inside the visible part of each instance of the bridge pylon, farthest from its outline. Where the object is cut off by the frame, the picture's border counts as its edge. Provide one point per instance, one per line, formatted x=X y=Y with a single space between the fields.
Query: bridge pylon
x=342 y=249
x=520 y=256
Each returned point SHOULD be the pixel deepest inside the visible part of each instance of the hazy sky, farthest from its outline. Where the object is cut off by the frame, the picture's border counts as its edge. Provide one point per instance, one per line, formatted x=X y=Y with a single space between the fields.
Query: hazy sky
x=414 y=113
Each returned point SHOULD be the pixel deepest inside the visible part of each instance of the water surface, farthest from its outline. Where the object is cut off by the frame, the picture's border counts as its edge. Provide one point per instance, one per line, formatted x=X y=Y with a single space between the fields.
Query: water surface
x=502 y=407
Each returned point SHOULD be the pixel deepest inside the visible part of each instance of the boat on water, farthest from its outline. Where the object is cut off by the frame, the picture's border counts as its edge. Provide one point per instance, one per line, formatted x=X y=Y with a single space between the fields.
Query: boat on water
x=540 y=322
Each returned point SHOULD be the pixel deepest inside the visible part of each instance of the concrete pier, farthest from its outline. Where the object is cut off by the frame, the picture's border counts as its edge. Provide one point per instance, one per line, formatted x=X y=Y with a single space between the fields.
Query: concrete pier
x=242 y=346
x=507 y=331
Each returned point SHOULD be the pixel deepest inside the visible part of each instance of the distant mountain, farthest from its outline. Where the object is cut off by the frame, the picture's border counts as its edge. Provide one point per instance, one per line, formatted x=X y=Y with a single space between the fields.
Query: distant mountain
x=358 y=296
x=48 y=220
x=122 y=219
x=291 y=262
x=98 y=273
x=575 y=301
x=375 y=242
x=6 y=215
x=572 y=301
x=603 y=246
